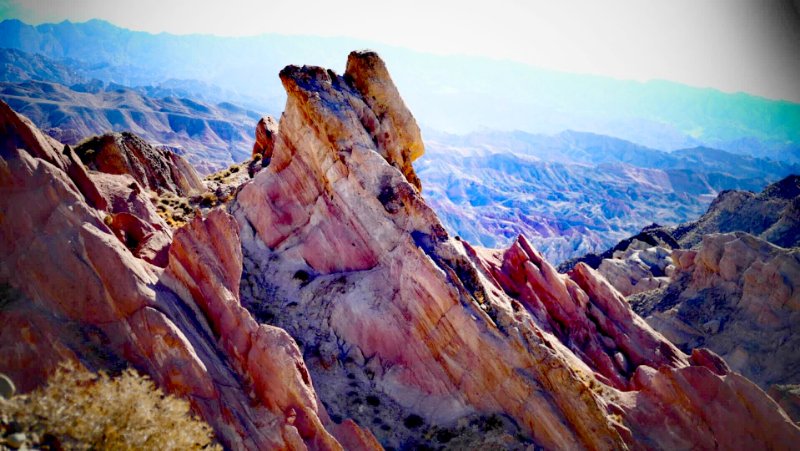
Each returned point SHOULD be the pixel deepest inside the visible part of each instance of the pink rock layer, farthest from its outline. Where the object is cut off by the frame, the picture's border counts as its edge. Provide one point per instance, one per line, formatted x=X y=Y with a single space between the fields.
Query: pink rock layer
x=266 y=134
x=359 y=267
x=72 y=289
x=154 y=169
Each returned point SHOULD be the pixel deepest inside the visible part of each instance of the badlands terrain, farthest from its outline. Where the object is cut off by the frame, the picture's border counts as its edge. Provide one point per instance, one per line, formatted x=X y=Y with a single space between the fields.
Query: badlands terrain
x=312 y=298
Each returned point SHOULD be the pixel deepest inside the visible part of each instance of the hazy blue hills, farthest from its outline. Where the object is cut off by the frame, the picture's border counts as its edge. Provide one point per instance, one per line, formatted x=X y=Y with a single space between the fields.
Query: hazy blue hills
x=209 y=136
x=573 y=193
x=456 y=94
x=17 y=66
x=503 y=154
x=571 y=147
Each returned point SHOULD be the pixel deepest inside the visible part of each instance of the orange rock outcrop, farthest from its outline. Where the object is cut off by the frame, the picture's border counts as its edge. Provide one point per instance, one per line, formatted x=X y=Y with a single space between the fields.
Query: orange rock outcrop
x=424 y=331
x=332 y=291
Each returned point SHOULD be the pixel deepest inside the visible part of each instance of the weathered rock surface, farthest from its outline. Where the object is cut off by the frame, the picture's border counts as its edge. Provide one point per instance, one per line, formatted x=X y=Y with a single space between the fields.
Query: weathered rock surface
x=19 y=132
x=736 y=295
x=425 y=339
x=421 y=335
x=773 y=215
x=391 y=124
x=733 y=293
x=788 y=397
x=639 y=268
x=205 y=266
x=653 y=235
x=153 y=168
x=583 y=311
x=266 y=133
x=130 y=213
x=72 y=290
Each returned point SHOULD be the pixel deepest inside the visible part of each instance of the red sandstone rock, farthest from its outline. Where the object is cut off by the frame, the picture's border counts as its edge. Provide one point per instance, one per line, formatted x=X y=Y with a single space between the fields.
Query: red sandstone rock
x=155 y=169
x=205 y=265
x=737 y=295
x=72 y=290
x=342 y=252
x=387 y=119
x=340 y=249
x=19 y=132
x=266 y=134
x=695 y=408
x=583 y=311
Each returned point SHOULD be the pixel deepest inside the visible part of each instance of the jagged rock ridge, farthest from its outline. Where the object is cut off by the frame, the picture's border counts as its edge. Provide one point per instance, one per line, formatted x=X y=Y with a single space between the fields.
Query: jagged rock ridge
x=773 y=215
x=402 y=327
x=732 y=292
x=641 y=263
x=418 y=333
x=736 y=295
x=154 y=169
x=72 y=288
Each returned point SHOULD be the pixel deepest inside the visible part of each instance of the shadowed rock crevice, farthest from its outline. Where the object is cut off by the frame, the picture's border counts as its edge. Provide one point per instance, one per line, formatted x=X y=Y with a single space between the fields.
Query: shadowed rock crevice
x=404 y=326
x=380 y=315
x=81 y=294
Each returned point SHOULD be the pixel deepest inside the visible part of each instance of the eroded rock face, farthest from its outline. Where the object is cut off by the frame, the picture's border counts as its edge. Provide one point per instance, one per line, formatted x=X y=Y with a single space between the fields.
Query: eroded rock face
x=18 y=132
x=772 y=215
x=266 y=133
x=154 y=169
x=205 y=265
x=638 y=269
x=584 y=311
x=71 y=289
x=422 y=336
x=736 y=295
x=392 y=126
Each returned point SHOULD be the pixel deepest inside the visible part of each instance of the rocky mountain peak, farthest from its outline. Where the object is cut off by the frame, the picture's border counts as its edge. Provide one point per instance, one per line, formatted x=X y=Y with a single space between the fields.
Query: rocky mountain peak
x=787 y=188
x=396 y=132
x=424 y=336
x=363 y=104
x=330 y=296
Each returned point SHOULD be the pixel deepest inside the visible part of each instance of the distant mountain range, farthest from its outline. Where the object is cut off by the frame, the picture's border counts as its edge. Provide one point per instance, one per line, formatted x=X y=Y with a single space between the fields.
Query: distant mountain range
x=71 y=108
x=571 y=192
x=575 y=193
x=450 y=93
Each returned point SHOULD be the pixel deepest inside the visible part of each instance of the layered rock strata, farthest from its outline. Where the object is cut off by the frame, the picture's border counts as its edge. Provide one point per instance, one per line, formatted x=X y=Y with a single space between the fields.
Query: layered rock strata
x=735 y=294
x=426 y=340
x=424 y=337
x=71 y=289
x=153 y=168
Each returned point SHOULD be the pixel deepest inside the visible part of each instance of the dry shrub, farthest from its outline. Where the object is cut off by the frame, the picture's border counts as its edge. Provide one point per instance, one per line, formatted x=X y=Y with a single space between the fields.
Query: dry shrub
x=208 y=199
x=84 y=410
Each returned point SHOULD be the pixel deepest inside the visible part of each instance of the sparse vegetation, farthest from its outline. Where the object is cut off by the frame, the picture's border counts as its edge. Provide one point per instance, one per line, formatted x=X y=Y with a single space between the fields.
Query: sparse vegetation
x=208 y=199
x=78 y=409
x=175 y=210
x=228 y=175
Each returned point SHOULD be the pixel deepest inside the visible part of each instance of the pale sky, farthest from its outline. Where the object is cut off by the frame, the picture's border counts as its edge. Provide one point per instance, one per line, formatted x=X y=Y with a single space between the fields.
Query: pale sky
x=731 y=45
